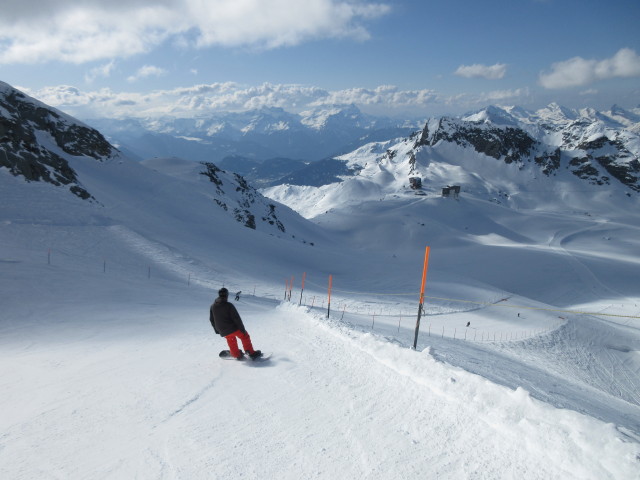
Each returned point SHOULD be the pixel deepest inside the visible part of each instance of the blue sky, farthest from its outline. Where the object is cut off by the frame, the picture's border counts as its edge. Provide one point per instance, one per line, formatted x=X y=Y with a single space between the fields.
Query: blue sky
x=400 y=57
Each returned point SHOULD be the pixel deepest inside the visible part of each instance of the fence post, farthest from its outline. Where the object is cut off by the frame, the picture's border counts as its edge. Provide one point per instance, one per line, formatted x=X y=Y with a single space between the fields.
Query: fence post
x=290 y=287
x=304 y=275
x=329 y=297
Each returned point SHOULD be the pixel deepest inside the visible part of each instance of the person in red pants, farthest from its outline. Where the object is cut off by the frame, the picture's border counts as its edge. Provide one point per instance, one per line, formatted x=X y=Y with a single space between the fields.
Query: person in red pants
x=227 y=323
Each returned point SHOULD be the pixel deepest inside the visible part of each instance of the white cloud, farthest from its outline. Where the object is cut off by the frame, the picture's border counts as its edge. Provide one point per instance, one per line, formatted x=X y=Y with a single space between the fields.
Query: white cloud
x=577 y=71
x=492 y=72
x=100 y=71
x=383 y=95
x=499 y=95
x=78 y=32
x=147 y=71
x=210 y=98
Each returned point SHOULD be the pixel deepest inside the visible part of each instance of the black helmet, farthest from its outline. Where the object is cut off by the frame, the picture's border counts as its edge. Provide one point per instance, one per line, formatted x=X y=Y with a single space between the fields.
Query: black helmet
x=223 y=292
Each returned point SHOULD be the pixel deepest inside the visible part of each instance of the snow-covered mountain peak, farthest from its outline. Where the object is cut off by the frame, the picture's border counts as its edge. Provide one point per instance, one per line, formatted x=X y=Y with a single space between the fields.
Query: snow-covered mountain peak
x=335 y=116
x=554 y=113
x=624 y=117
x=492 y=114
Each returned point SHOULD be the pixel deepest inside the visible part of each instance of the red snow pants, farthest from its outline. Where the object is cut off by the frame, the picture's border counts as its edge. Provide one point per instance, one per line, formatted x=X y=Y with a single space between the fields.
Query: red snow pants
x=232 y=341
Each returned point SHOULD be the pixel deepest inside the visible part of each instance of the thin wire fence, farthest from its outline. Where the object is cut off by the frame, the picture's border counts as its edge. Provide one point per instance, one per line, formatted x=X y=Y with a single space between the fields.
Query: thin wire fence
x=389 y=313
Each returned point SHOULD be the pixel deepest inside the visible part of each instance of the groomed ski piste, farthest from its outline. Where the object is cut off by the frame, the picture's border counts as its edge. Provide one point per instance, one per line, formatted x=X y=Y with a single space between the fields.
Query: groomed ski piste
x=109 y=366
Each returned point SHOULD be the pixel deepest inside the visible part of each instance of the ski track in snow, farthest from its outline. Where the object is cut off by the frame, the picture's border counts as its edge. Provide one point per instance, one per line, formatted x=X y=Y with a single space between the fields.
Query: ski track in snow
x=193 y=399
x=162 y=256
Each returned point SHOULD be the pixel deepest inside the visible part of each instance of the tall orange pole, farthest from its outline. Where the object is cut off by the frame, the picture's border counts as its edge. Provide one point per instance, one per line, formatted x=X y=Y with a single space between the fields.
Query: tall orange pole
x=424 y=281
x=329 y=299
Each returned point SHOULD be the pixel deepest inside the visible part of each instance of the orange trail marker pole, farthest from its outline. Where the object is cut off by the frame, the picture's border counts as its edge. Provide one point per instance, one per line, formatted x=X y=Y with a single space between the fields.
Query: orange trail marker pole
x=304 y=275
x=329 y=298
x=420 y=307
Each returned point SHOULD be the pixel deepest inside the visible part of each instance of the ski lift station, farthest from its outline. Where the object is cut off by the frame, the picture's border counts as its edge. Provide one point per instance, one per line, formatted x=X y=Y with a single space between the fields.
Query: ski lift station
x=451 y=190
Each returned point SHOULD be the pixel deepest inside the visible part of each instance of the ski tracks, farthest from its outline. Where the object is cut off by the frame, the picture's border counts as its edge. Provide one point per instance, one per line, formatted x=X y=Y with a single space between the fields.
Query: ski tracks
x=162 y=255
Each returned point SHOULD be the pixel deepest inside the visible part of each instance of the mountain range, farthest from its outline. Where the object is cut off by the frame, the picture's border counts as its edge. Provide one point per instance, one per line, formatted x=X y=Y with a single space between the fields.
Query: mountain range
x=507 y=155
x=259 y=134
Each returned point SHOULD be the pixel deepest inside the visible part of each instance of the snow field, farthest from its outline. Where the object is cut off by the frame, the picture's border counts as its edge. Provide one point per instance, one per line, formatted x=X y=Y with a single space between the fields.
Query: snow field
x=138 y=391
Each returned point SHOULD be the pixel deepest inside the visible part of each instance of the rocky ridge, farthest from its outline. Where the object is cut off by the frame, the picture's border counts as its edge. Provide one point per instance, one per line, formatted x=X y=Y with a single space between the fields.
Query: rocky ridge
x=594 y=148
x=36 y=142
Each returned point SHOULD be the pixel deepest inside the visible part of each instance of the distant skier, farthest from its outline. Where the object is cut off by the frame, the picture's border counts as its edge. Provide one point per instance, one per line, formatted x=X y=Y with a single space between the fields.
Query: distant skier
x=468 y=323
x=227 y=323
x=238 y=295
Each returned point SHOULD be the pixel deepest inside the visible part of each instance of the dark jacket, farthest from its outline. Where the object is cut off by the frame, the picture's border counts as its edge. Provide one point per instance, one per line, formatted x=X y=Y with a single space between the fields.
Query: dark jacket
x=224 y=317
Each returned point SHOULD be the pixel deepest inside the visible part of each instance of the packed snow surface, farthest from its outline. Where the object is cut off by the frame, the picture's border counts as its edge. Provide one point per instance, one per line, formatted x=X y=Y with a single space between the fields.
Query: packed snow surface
x=527 y=363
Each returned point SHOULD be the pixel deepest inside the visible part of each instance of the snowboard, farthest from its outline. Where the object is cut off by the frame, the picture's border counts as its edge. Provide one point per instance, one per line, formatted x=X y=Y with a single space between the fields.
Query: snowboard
x=226 y=355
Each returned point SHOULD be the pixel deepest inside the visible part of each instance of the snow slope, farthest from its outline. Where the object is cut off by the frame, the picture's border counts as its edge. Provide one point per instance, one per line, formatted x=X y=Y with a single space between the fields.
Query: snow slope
x=109 y=366
x=109 y=377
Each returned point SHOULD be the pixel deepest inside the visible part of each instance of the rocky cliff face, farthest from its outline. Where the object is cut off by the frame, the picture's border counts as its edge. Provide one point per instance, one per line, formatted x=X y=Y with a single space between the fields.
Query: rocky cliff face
x=239 y=198
x=37 y=141
x=588 y=147
x=508 y=144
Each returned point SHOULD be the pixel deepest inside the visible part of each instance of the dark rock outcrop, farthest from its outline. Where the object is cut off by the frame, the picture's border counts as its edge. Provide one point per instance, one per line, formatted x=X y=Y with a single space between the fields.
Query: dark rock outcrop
x=36 y=141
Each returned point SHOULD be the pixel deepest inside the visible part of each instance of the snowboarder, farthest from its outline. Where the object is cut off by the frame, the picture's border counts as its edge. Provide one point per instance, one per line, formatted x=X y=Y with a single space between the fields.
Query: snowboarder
x=238 y=295
x=227 y=323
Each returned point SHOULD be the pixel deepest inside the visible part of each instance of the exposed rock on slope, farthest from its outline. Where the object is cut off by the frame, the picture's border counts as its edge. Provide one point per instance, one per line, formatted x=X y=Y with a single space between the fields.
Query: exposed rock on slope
x=36 y=141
